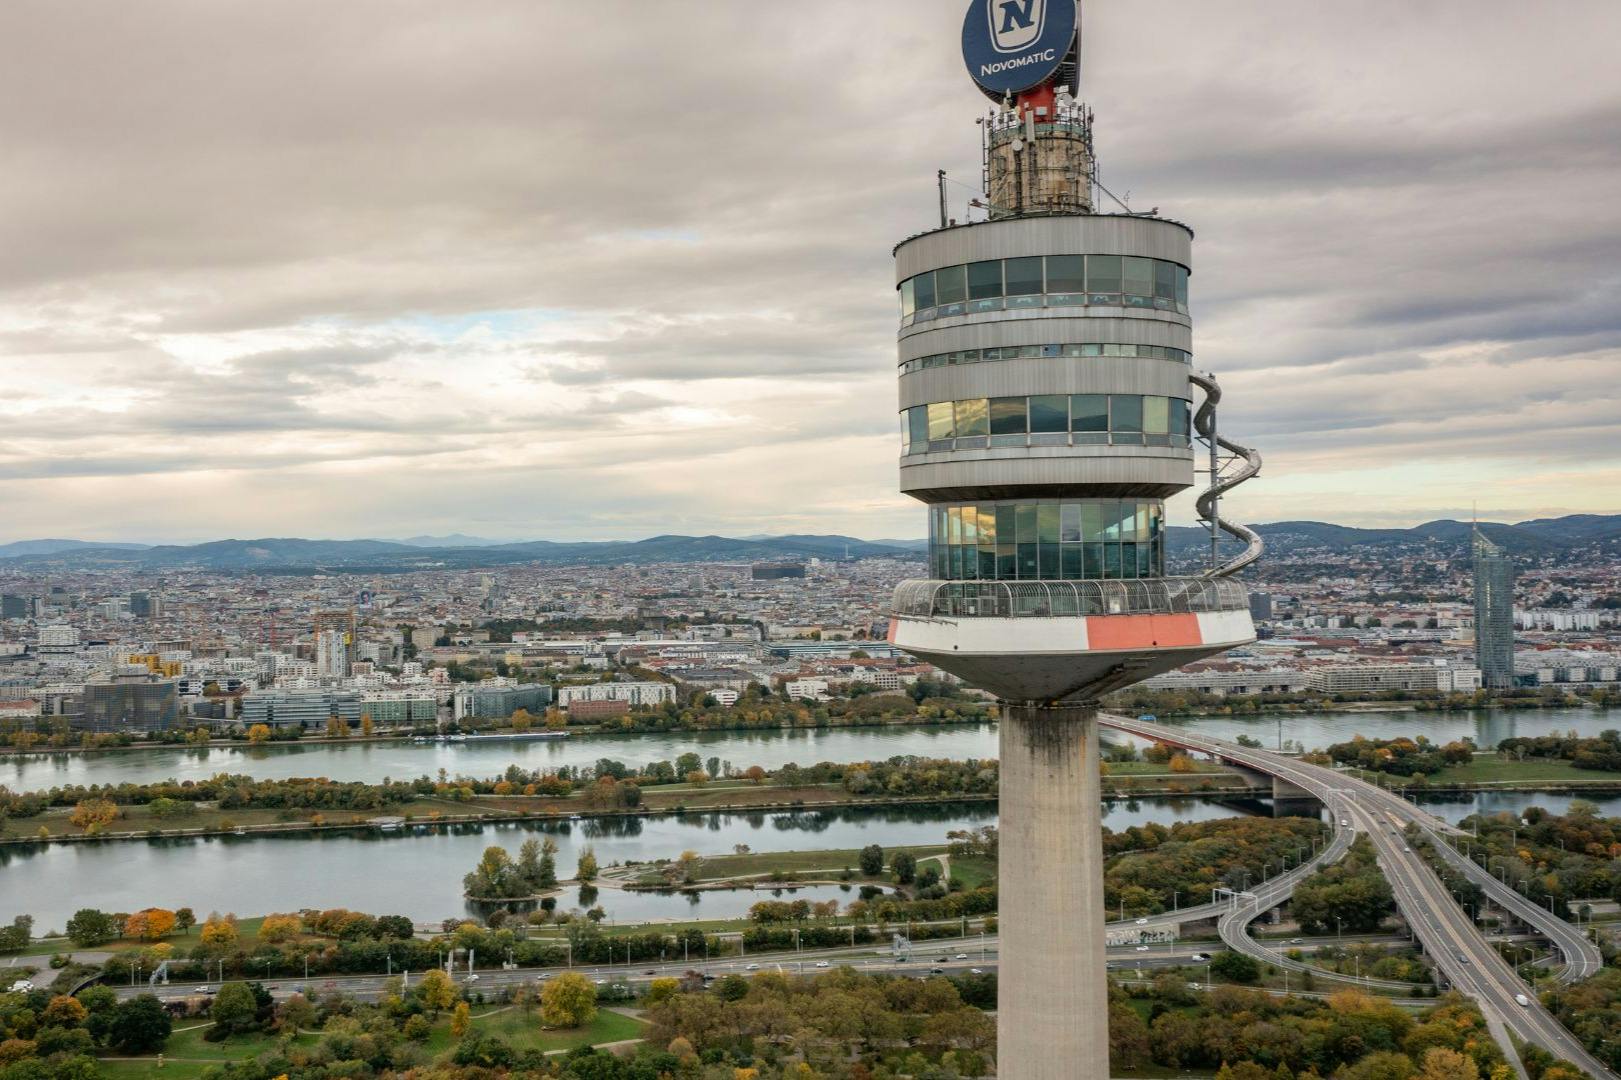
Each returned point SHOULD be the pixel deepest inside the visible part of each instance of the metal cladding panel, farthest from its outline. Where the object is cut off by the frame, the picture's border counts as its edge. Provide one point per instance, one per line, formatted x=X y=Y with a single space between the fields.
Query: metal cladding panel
x=1043 y=317
x=1047 y=375
x=1057 y=326
x=1082 y=234
x=1155 y=472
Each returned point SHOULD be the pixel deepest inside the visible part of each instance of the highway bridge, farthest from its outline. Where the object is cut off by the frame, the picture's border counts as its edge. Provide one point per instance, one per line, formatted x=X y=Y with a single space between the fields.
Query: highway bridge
x=1447 y=932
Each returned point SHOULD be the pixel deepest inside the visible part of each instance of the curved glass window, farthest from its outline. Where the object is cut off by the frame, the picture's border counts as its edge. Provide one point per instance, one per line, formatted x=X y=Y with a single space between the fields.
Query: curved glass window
x=1047 y=538
x=1014 y=352
x=1045 y=281
x=1047 y=420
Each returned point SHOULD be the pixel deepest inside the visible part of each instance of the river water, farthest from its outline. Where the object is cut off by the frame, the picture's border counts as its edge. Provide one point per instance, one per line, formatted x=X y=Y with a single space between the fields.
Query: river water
x=771 y=749
x=418 y=872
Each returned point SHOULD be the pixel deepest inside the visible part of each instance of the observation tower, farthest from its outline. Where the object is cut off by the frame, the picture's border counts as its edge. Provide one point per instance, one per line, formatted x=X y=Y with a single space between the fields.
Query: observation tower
x=1047 y=410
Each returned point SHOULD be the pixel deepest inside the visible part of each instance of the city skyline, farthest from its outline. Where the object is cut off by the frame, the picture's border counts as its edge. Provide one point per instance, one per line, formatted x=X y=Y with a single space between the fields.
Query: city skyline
x=426 y=293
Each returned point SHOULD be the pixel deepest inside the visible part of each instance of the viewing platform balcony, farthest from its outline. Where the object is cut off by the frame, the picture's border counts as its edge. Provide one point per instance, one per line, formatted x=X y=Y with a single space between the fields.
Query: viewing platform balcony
x=1045 y=641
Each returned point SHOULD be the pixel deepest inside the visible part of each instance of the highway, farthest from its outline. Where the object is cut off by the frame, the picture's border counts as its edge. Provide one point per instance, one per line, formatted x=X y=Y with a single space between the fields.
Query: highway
x=1456 y=947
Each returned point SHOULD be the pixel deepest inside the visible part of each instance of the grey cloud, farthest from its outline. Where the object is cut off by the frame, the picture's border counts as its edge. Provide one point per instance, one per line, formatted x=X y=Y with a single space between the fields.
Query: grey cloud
x=704 y=204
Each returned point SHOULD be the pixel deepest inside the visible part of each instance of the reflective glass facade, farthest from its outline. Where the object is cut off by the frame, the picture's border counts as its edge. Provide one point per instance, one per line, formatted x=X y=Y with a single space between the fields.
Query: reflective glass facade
x=1045 y=281
x=1047 y=538
x=1046 y=420
x=1019 y=352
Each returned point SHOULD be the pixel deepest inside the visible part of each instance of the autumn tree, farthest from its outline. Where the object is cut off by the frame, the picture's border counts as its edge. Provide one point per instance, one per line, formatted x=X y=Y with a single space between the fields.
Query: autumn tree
x=279 y=928
x=149 y=924
x=586 y=868
x=367 y=728
x=219 y=931
x=92 y=815
x=522 y=720
x=568 y=1001
x=461 y=1020
x=336 y=727
x=436 y=991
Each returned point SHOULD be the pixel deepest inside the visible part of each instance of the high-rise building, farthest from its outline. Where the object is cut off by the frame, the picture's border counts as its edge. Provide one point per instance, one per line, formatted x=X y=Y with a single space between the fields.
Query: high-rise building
x=332 y=653
x=1494 y=612
x=1046 y=397
x=144 y=605
x=14 y=606
x=132 y=702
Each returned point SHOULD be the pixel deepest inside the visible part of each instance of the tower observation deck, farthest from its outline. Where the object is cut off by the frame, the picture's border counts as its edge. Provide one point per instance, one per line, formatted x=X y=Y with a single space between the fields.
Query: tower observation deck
x=1047 y=411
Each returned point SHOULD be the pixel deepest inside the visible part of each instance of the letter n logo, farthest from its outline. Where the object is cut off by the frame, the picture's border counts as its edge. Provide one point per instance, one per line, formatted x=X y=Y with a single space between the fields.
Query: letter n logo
x=1015 y=24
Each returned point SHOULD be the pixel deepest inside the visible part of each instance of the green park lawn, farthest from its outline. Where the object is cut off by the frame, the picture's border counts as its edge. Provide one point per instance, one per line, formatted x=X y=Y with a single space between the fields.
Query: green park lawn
x=523 y=1031
x=187 y=1054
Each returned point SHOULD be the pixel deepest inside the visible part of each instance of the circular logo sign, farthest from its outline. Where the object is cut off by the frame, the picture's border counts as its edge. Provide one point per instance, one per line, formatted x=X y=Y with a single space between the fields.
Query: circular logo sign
x=1012 y=45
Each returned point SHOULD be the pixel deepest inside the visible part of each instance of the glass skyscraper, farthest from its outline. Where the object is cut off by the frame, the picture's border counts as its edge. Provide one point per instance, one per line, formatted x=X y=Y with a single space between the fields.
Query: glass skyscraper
x=1494 y=613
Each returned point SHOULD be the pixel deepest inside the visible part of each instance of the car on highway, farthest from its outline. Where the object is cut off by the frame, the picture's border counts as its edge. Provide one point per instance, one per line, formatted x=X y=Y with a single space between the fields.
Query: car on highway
x=650 y=971
x=821 y=963
x=1462 y=959
x=473 y=977
x=1142 y=948
x=976 y=971
x=600 y=982
x=962 y=956
x=1201 y=956
x=1294 y=941
x=1522 y=1001
x=1344 y=824
x=751 y=967
x=937 y=971
x=543 y=976
x=201 y=989
x=1142 y=922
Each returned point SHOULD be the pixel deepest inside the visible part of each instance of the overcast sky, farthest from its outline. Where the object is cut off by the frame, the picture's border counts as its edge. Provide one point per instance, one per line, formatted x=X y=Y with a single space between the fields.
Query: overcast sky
x=595 y=270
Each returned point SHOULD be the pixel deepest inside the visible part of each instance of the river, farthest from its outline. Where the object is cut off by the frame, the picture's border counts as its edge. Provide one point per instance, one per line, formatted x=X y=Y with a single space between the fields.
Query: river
x=418 y=872
x=373 y=761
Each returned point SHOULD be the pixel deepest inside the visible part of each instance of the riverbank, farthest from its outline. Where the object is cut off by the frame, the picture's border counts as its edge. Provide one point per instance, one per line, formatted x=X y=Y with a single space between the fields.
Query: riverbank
x=393 y=736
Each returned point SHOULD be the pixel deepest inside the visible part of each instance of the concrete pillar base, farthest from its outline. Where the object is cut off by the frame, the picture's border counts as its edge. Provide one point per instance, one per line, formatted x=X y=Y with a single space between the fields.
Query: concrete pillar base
x=1052 y=1019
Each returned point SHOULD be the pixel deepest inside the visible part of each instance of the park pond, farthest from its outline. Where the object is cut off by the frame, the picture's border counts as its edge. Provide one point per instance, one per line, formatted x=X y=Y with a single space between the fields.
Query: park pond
x=374 y=761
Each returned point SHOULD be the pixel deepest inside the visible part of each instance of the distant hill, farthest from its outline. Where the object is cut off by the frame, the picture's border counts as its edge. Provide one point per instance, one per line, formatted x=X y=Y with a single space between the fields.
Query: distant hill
x=452 y=540
x=385 y=555
x=1544 y=536
x=51 y=547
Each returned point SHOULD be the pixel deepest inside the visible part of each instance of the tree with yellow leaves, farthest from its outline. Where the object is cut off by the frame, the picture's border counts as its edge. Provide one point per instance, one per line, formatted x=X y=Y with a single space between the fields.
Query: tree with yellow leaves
x=279 y=928
x=92 y=815
x=436 y=990
x=522 y=720
x=1443 y=1064
x=258 y=734
x=461 y=1020
x=337 y=727
x=366 y=725
x=219 y=931
x=568 y=1001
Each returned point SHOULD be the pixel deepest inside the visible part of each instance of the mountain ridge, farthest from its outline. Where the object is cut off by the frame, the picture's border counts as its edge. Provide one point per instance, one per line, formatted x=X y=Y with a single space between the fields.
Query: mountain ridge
x=1538 y=536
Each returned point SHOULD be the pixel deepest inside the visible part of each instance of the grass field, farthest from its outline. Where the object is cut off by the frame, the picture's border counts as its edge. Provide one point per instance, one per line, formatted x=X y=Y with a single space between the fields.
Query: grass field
x=187 y=1055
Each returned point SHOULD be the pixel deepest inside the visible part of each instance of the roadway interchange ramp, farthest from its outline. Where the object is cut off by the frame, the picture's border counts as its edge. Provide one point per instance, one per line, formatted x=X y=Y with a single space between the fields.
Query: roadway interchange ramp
x=1447 y=932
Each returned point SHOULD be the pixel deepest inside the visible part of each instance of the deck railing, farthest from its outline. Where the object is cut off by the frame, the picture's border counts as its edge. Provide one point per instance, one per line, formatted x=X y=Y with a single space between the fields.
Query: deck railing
x=1011 y=599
